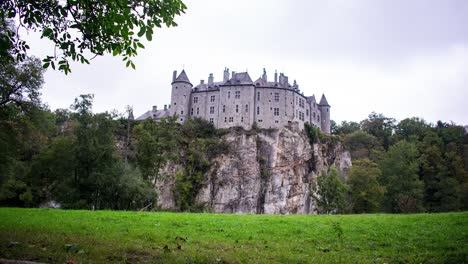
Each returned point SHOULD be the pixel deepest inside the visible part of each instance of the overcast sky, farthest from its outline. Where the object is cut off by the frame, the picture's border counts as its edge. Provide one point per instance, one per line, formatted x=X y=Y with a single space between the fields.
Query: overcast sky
x=397 y=57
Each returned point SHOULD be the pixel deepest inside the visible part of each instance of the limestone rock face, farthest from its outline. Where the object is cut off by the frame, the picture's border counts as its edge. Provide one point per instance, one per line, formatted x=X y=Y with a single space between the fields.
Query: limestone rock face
x=269 y=172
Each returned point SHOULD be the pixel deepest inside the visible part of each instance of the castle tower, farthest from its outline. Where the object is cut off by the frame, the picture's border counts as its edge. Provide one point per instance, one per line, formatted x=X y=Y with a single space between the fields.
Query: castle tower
x=325 y=115
x=180 y=96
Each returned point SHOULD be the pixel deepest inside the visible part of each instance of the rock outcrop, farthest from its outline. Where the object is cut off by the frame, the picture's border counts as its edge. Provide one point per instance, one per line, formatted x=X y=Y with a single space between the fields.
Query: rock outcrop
x=265 y=172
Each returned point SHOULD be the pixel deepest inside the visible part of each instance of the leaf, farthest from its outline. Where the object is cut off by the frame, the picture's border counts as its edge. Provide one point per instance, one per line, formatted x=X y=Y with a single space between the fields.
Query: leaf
x=149 y=35
x=142 y=31
x=45 y=65
x=47 y=32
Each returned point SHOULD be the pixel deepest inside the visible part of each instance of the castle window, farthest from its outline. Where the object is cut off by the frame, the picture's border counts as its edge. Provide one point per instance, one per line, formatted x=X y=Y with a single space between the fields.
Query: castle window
x=276 y=97
x=237 y=108
x=225 y=119
x=229 y=95
x=258 y=96
x=237 y=94
x=242 y=119
x=211 y=120
x=195 y=99
x=224 y=108
x=211 y=109
x=231 y=119
x=307 y=112
x=314 y=104
x=276 y=121
x=260 y=121
x=327 y=110
x=246 y=108
x=276 y=112
x=258 y=110
x=198 y=111
x=191 y=112
x=314 y=115
x=182 y=112
x=212 y=99
x=175 y=103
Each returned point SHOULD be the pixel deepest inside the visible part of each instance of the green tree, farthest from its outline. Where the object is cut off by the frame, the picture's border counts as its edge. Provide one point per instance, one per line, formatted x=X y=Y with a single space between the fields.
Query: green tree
x=365 y=189
x=156 y=145
x=82 y=27
x=380 y=127
x=404 y=189
x=363 y=145
x=411 y=129
x=347 y=128
x=330 y=192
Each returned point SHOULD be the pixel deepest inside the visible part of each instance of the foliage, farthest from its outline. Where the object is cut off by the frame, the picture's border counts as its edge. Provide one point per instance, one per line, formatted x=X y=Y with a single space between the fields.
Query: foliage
x=380 y=127
x=156 y=145
x=78 y=28
x=346 y=128
x=20 y=82
x=366 y=192
x=330 y=192
x=400 y=177
x=363 y=145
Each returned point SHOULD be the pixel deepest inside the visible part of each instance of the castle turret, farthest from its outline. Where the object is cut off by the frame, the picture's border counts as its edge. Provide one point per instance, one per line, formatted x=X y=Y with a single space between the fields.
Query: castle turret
x=180 y=97
x=324 y=108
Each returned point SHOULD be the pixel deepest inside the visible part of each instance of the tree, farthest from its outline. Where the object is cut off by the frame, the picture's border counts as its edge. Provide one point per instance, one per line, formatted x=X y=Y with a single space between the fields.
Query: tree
x=330 y=192
x=20 y=82
x=404 y=189
x=379 y=126
x=156 y=145
x=347 y=128
x=365 y=189
x=409 y=128
x=363 y=145
x=82 y=27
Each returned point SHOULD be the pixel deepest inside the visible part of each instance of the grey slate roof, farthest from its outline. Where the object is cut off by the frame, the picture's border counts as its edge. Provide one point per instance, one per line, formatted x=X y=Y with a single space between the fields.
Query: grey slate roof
x=182 y=78
x=240 y=78
x=311 y=99
x=323 y=101
x=154 y=115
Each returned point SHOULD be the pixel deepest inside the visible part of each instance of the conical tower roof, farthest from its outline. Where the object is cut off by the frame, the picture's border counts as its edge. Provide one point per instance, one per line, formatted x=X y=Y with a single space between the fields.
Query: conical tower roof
x=323 y=101
x=182 y=78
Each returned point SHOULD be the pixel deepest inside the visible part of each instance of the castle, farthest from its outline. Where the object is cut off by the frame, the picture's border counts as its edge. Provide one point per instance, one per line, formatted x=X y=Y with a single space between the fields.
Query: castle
x=237 y=101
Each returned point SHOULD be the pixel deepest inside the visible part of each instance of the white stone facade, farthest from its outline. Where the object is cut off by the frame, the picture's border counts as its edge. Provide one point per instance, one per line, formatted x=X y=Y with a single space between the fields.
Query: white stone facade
x=237 y=101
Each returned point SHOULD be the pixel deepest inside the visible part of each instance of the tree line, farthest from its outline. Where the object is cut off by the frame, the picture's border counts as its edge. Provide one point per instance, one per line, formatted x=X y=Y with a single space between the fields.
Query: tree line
x=398 y=167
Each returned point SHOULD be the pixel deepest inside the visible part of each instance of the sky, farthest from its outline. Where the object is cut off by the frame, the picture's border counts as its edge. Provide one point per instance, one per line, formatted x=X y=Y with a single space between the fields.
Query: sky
x=396 y=57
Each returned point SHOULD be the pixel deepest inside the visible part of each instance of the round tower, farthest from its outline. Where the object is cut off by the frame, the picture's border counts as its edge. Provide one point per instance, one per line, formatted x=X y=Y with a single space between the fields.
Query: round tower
x=325 y=124
x=180 y=96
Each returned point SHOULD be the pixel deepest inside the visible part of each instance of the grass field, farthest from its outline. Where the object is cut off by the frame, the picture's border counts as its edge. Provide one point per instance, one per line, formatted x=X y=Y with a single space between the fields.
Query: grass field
x=58 y=236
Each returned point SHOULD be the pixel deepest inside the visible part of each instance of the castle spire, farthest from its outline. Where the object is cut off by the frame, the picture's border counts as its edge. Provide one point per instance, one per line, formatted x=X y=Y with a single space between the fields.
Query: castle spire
x=323 y=101
x=182 y=78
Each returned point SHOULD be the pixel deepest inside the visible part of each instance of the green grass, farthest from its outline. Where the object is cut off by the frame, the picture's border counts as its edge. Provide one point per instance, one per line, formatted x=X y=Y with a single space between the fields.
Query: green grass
x=57 y=236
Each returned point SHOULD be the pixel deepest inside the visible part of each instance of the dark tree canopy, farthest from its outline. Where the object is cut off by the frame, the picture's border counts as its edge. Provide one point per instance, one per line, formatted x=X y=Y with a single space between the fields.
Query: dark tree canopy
x=81 y=29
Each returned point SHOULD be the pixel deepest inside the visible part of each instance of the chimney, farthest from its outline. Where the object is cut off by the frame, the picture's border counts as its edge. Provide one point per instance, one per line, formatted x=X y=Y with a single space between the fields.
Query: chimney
x=202 y=81
x=155 y=108
x=210 y=79
x=264 y=76
x=276 y=76
x=226 y=75
x=165 y=107
x=233 y=73
x=174 y=76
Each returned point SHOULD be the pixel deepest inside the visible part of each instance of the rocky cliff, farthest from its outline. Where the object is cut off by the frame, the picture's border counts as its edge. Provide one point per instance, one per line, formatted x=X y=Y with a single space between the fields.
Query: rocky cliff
x=270 y=172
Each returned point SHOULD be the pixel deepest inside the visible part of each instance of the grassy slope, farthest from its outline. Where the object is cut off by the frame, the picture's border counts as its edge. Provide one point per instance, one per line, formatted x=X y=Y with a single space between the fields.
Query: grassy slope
x=105 y=236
